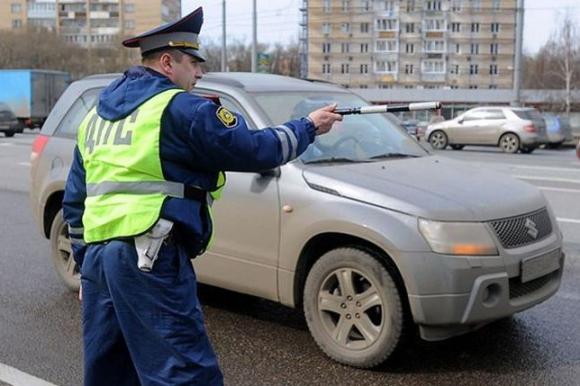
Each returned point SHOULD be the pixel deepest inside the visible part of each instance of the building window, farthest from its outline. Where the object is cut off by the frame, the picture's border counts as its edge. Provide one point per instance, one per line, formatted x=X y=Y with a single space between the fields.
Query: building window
x=15 y=8
x=493 y=86
x=493 y=69
x=410 y=48
x=387 y=25
x=494 y=48
x=474 y=27
x=434 y=25
x=325 y=48
x=455 y=69
x=363 y=86
x=345 y=68
x=345 y=5
x=129 y=8
x=457 y=48
x=345 y=48
x=495 y=5
x=494 y=27
x=455 y=27
x=326 y=28
x=345 y=27
x=476 y=5
x=326 y=6
x=456 y=5
x=474 y=49
x=473 y=86
x=386 y=66
x=410 y=5
x=433 y=46
x=433 y=5
x=16 y=23
x=408 y=68
x=326 y=68
x=367 y=5
x=364 y=27
x=433 y=67
x=364 y=47
x=129 y=24
x=410 y=28
x=364 y=68
x=386 y=45
x=473 y=69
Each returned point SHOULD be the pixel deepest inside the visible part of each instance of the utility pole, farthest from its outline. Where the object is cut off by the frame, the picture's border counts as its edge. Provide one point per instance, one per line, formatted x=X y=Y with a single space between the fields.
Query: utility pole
x=255 y=36
x=518 y=57
x=224 y=64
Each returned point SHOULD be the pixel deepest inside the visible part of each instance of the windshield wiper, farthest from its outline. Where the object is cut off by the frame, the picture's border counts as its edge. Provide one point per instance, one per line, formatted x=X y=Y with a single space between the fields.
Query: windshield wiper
x=334 y=159
x=394 y=155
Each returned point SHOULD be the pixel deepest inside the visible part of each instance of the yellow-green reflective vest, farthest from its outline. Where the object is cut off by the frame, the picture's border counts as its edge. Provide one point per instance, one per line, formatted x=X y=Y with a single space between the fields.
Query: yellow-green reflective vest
x=123 y=175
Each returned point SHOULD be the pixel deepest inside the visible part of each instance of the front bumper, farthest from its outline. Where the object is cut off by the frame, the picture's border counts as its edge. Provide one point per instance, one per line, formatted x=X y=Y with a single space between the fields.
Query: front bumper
x=458 y=294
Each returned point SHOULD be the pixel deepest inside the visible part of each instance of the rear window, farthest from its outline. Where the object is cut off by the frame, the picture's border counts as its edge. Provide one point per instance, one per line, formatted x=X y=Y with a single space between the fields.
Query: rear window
x=530 y=115
x=70 y=123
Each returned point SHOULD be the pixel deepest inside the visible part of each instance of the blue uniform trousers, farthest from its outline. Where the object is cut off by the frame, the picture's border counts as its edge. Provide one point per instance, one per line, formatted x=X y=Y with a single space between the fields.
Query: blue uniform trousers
x=143 y=328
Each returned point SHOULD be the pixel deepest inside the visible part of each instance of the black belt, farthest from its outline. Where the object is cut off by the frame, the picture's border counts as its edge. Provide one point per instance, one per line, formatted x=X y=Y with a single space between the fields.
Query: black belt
x=194 y=193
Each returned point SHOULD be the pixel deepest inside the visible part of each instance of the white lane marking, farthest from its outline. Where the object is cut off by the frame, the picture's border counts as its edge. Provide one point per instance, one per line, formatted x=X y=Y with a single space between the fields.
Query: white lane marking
x=24 y=163
x=16 y=377
x=568 y=295
x=6 y=144
x=570 y=220
x=558 y=189
x=542 y=168
x=554 y=179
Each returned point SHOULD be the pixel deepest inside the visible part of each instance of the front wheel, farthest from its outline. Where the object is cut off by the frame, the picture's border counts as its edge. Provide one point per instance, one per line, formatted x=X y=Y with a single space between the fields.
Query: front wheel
x=438 y=140
x=353 y=307
x=9 y=133
x=61 y=253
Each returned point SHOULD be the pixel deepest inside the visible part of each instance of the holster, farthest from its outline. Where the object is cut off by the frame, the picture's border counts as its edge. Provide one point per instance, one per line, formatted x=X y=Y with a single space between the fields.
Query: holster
x=148 y=244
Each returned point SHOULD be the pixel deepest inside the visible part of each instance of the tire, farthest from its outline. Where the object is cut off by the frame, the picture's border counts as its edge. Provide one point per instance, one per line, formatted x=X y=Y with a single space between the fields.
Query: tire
x=368 y=333
x=527 y=150
x=438 y=140
x=61 y=253
x=509 y=143
x=9 y=133
x=457 y=147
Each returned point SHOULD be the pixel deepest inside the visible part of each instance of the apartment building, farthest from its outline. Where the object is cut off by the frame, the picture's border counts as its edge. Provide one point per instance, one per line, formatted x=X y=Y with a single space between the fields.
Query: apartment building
x=89 y=22
x=410 y=43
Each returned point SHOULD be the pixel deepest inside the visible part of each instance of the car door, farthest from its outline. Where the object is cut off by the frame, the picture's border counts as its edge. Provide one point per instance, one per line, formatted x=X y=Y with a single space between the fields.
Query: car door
x=466 y=132
x=244 y=253
x=491 y=126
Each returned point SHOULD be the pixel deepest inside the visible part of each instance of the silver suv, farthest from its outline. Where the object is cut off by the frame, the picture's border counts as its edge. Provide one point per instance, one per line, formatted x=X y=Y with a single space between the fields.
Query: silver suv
x=510 y=128
x=366 y=231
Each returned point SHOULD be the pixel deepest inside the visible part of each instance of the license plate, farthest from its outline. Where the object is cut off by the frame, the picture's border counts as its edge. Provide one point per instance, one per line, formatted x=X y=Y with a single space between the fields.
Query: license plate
x=537 y=266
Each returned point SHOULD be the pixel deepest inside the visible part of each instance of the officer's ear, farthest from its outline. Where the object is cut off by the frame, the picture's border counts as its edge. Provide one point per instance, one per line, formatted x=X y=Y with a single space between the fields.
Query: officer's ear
x=166 y=62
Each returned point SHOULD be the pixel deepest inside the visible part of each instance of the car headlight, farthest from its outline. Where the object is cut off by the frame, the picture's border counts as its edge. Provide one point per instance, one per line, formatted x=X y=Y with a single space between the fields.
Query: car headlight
x=458 y=238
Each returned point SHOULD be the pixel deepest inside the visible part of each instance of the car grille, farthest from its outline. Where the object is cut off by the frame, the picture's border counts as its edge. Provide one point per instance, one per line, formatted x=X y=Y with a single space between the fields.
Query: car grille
x=518 y=231
x=519 y=289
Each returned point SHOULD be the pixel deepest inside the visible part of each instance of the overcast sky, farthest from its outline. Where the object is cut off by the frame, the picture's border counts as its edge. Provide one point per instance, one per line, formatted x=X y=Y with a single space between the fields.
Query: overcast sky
x=278 y=20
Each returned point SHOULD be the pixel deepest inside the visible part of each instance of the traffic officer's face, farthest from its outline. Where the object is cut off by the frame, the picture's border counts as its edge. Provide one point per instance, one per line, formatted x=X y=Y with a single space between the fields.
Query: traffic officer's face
x=186 y=72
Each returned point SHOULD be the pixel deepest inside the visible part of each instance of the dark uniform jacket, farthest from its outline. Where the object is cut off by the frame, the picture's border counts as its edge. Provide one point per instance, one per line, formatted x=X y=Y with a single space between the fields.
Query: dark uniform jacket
x=194 y=146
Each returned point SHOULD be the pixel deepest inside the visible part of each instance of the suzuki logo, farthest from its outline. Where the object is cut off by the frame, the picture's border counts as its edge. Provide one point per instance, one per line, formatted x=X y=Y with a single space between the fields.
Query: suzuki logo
x=531 y=227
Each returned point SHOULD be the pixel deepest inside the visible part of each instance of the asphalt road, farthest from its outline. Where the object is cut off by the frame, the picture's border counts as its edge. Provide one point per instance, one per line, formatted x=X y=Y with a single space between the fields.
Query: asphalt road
x=262 y=343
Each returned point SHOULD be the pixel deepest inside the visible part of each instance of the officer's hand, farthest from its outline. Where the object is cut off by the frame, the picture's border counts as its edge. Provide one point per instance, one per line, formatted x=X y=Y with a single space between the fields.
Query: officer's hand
x=324 y=118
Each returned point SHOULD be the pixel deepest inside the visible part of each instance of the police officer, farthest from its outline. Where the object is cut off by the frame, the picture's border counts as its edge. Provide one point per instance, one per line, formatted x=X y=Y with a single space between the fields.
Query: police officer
x=148 y=163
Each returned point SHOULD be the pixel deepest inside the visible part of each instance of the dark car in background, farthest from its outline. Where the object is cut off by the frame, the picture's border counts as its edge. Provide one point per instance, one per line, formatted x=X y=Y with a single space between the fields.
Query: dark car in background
x=8 y=121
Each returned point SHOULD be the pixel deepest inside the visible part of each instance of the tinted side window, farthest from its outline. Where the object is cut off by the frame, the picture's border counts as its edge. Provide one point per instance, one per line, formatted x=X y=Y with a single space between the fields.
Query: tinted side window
x=70 y=122
x=473 y=116
x=494 y=114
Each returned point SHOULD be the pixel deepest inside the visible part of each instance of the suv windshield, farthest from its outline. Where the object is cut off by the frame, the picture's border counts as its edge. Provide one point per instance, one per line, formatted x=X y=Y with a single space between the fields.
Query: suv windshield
x=358 y=138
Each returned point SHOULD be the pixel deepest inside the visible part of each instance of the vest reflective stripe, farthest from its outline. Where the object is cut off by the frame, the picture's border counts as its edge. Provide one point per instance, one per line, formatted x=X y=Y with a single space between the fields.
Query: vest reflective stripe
x=172 y=189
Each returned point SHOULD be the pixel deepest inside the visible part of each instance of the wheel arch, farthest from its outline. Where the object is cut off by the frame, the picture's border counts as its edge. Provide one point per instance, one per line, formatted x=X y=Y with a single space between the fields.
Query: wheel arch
x=505 y=133
x=325 y=242
x=51 y=208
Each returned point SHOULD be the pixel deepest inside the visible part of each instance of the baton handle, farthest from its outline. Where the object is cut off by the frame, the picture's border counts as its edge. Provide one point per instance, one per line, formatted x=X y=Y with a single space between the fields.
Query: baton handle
x=388 y=108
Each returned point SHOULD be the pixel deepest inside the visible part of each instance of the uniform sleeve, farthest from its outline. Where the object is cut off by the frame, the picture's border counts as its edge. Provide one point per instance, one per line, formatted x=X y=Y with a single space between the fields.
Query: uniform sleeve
x=73 y=206
x=224 y=142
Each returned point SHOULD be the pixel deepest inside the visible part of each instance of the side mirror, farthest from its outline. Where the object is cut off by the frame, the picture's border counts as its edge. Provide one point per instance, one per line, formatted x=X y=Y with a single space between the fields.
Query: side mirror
x=271 y=173
x=460 y=121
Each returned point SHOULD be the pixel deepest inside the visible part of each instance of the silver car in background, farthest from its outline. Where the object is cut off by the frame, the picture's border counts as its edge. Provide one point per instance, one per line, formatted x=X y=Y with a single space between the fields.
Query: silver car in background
x=367 y=232
x=513 y=129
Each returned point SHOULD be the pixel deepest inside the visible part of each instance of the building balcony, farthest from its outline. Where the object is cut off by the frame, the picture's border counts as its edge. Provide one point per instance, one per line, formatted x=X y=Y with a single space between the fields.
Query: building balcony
x=433 y=77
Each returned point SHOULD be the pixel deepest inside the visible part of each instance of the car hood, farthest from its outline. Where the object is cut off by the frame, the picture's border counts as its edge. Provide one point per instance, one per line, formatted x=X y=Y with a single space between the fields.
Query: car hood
x=432 y=187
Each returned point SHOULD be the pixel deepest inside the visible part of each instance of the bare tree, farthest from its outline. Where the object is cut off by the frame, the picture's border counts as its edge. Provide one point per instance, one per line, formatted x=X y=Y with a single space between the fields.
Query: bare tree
x=564 y=49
